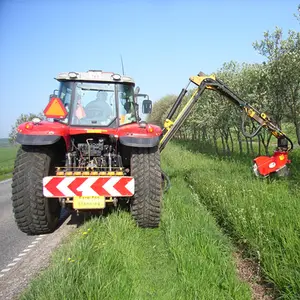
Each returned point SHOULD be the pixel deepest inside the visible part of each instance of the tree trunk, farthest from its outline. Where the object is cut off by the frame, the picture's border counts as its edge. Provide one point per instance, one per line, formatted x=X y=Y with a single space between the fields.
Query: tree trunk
x=231 y=141
x=251 y=146
x=266 y=142
x=224 y=139
x=247 y=145
x=240 y=142
x=297 y=127
x=223 y=145
x=204 y=134
x=194 y=133
x=215 y=141
x=228 y=152
x=259 y=144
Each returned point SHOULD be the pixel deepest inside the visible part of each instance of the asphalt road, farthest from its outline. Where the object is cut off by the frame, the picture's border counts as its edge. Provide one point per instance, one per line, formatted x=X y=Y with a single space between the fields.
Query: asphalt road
x=23 y=256
x=12 y=240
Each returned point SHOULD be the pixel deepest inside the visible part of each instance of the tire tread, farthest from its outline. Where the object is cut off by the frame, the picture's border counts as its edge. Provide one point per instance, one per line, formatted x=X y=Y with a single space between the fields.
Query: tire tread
x=146 y=202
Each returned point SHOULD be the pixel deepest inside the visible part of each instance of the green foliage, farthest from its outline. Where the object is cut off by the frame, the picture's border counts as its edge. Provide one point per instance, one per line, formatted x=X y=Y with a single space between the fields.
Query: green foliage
x=160 y=108
x=282 y=74
x=7 y=158
x=22 y=119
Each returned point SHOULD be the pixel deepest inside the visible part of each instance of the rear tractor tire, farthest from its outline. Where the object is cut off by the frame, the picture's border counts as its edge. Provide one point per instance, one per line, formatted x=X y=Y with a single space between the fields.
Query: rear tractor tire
x=34 y=214
x=146 y=203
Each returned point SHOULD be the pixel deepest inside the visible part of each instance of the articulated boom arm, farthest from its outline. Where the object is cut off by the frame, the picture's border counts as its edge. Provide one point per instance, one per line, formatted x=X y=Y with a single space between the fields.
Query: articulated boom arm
x=211 y=82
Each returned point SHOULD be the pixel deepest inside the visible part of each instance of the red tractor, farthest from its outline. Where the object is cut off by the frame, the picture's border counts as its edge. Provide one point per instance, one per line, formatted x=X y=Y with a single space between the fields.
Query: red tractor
x=97 y=150
x=94 y=151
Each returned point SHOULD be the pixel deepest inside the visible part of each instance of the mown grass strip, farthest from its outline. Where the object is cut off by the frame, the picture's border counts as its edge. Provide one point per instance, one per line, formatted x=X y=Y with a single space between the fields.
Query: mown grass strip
x=202 y=253
x=110 y=258
x=262 y=215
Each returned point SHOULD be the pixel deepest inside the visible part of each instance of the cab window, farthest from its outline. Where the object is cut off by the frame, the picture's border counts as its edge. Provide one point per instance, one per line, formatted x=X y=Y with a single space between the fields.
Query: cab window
x=127 y=110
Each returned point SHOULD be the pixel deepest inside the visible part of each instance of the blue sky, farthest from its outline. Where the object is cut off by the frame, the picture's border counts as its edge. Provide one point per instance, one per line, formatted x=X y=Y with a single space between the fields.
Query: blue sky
x=162 y=42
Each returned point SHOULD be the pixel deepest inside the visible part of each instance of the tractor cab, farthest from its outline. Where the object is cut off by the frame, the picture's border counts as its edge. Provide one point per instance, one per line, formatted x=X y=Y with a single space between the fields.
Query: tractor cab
x=94 y=152
x=97 y=99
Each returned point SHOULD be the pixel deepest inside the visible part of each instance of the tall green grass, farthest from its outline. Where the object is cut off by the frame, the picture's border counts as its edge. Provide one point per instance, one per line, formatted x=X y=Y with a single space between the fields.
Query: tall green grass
x=7 y=159
x=188 y=257
x=261 y=215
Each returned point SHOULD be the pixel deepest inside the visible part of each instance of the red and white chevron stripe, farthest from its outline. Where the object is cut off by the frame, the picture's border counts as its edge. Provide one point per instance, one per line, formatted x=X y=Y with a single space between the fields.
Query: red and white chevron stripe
x=70 y=186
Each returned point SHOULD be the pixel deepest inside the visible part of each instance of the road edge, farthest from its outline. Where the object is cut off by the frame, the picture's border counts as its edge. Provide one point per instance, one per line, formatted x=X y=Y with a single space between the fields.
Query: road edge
x=6 y=180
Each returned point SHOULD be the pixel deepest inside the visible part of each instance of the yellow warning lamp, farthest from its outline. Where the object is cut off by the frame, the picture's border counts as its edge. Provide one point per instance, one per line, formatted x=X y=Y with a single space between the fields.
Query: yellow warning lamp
x=150 y=129
x=55 y=109
x=28 y=125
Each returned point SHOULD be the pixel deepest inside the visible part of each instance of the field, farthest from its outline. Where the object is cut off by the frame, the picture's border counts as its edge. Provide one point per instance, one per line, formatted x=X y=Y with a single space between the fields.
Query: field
x=7 y=157
x=214 y=209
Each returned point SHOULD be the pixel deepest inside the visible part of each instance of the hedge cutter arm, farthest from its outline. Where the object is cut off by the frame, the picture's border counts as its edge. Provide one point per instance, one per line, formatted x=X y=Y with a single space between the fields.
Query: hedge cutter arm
x=263 y=165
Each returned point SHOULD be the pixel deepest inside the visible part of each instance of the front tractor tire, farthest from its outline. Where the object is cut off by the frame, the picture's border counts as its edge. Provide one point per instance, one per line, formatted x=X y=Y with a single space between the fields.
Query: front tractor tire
x=146 y=202
x=34 y=214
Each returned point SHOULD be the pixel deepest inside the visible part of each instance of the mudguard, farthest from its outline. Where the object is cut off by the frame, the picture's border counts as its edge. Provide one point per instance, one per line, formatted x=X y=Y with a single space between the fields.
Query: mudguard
x=37 y=140
x=145 y=142
x=43 y=133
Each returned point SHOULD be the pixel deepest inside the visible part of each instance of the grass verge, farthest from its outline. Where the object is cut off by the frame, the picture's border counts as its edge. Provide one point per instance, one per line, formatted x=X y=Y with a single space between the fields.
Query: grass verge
x=186 y=258
x=7 y=159
x=261 y=215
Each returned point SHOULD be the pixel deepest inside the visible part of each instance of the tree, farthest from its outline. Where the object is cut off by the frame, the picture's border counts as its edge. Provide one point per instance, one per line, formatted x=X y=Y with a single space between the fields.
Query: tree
x=282 y=74
x=22 y=119
x=160 y=110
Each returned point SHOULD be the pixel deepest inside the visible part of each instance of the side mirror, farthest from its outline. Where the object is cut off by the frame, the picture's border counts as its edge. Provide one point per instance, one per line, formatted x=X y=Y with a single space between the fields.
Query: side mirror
x=147 y=106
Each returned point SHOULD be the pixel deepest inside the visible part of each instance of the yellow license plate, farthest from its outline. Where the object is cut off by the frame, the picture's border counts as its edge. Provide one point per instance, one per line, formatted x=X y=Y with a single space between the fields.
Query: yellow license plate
x=88 y=202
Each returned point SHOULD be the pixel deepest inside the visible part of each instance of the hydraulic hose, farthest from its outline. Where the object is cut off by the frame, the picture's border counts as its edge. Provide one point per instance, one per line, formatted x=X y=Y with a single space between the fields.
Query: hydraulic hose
x=291 y=143
x=253 y=134
x=246 y=134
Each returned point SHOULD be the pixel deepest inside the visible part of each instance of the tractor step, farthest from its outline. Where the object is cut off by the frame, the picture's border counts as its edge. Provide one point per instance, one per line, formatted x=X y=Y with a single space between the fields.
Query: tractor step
x=71 y=186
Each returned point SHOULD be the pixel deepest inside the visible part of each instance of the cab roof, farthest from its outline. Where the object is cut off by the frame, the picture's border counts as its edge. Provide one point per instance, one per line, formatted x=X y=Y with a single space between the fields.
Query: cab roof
x=95 y=76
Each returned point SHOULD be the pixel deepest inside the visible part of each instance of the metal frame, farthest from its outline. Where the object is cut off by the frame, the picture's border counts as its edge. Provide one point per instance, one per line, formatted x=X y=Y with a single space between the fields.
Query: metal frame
x=211 y=82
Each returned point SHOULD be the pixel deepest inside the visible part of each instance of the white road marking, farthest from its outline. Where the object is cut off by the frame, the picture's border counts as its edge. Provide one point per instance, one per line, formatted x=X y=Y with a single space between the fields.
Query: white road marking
x=12 y=264
x=17 y=259
x=24 y=252
x=5 y=270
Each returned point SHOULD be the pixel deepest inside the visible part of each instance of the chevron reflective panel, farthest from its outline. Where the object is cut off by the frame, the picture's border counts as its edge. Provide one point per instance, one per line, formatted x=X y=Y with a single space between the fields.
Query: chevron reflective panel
x=70 y=186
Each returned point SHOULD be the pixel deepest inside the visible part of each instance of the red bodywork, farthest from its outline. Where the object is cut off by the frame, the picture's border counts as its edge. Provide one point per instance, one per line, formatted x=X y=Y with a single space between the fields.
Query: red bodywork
x=267 y=165
x=46 y=128
x=71 y=186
